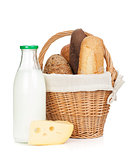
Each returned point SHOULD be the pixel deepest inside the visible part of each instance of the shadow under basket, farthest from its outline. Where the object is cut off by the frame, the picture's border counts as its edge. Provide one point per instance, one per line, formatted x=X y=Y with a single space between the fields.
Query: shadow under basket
x=87 y=110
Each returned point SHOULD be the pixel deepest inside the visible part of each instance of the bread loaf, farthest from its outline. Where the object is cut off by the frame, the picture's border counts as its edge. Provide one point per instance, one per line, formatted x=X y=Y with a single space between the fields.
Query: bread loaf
x=75 y=43
x=91 y=58
x=65 y=52
x=58 y=65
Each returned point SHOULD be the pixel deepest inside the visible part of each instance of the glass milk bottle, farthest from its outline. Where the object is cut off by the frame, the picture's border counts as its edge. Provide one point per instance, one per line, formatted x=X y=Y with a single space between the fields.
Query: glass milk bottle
x=29 y=94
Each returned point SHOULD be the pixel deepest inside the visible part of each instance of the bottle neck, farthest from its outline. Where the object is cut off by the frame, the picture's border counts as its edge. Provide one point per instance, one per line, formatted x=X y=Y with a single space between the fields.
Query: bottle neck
x=29 y=59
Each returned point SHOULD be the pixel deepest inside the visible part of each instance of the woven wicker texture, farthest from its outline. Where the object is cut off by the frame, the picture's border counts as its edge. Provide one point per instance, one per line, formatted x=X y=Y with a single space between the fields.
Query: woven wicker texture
x=86 y=110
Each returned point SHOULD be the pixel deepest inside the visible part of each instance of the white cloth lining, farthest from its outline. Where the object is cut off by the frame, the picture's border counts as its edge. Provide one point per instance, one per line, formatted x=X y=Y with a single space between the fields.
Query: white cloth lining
x=76 y=83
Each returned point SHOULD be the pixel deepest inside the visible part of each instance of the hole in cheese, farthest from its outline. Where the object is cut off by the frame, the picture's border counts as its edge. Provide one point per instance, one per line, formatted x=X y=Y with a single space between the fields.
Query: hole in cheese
x=51 y=128
x=44 y=134
x=37 y=130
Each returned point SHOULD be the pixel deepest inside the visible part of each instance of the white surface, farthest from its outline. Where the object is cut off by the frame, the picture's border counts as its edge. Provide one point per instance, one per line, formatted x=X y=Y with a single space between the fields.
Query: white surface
x=29 y=101
x=33 y=22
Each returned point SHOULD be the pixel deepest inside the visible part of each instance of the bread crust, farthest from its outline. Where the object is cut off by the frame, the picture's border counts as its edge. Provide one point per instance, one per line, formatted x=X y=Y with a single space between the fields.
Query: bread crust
x=91 y=58
x=75 y=43
x=57 y=64
x=65 y=52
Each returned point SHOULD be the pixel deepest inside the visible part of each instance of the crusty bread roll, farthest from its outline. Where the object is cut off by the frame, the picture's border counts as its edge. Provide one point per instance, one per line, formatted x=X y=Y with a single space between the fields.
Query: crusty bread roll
x=65 y=52
x=76 y=38
x=91 y=58
x=57 y=64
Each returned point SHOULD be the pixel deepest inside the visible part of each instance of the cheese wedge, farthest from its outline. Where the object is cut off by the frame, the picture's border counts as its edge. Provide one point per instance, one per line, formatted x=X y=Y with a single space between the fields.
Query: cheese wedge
x=49 y=132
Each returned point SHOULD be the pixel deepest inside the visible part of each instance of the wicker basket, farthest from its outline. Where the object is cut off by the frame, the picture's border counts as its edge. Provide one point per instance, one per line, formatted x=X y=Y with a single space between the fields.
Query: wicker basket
x=87 y=110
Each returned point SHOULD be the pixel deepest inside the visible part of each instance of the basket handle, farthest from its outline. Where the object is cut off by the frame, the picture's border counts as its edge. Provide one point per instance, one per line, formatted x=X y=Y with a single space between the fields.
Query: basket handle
x=107 y=56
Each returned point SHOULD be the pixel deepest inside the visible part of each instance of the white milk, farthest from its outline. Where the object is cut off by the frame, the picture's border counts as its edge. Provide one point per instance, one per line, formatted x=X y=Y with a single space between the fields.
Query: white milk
x=29 y=100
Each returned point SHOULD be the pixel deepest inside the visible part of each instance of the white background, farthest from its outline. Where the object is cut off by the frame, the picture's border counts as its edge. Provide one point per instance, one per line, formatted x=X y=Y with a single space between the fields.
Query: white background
x=33 y=22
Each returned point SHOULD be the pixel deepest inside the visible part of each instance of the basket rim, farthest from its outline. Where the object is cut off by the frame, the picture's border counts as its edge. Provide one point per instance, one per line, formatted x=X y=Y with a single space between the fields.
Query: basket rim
x=76 y=83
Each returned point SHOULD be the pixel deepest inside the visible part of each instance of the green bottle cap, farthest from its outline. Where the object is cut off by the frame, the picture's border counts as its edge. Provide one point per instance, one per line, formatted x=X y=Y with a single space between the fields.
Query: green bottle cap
x=28 y=47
